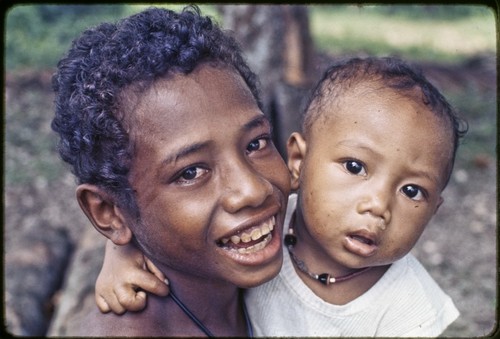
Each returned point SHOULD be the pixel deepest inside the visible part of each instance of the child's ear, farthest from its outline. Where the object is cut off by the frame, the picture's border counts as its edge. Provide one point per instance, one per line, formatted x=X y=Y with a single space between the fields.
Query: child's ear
x=440 y=202
x=101 y=210
x=296 y=147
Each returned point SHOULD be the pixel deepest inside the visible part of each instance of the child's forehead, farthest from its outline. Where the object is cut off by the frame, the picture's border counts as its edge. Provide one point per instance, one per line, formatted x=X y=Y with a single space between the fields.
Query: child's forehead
x=338 y=100
x=372 y=98
x=210 y=82
x=378 y=90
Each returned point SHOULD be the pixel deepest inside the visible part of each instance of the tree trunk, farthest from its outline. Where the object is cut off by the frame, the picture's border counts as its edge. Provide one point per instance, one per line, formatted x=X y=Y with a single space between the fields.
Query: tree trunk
x=278 y=47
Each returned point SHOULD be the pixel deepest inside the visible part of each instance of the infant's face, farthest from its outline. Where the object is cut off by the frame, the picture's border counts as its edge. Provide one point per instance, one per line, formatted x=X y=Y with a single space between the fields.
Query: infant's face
x=372 y=177
x=211 y=188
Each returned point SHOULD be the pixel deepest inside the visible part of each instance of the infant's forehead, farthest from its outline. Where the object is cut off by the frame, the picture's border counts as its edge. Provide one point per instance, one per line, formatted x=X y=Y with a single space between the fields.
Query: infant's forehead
x=335 y=98
x=359 y=88
x=336 y=102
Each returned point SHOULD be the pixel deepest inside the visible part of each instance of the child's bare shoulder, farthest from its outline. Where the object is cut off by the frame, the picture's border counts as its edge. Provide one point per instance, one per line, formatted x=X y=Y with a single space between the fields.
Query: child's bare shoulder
x=97 y=324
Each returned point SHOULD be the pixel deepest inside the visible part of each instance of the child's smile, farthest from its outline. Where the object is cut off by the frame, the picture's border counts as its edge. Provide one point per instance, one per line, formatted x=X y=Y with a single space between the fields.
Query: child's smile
x=211 y=187
x=250 y=240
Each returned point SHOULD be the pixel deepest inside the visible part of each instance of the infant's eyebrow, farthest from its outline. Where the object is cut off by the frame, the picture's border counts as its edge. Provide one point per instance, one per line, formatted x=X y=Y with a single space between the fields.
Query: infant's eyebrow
x=356 y=144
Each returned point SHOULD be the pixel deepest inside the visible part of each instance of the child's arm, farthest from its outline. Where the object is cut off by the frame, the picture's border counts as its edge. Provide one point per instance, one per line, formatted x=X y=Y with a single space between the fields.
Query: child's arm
x=124 y=276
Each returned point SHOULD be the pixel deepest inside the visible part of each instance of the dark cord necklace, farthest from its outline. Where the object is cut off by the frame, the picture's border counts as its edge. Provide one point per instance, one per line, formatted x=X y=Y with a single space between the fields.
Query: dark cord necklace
x=201 y=326
x=324 y=278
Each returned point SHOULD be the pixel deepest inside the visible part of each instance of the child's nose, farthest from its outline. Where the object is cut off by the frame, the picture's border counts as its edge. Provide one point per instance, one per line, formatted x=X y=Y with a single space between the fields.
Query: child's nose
x=377 y=202
x=244 y=186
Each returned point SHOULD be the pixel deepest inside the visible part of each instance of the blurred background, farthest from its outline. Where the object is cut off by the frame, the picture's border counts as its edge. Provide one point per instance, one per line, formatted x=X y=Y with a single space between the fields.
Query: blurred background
x=51 y=253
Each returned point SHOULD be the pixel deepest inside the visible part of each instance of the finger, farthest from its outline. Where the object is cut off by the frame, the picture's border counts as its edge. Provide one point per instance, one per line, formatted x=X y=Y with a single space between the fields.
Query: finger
x=114 y=304
x=151 y=283
x=102 y=304
x=130 y=299
x=153 y=269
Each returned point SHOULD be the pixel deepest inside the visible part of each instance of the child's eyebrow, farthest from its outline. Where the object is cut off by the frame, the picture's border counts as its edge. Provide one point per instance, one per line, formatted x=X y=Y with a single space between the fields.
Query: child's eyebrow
x=185 y=151
x=356 y=144
x=259 y=121
x=427 y=175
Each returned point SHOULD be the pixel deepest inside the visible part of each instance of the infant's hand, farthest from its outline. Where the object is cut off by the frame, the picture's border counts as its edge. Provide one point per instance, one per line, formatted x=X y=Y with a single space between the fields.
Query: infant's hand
x=124 y=278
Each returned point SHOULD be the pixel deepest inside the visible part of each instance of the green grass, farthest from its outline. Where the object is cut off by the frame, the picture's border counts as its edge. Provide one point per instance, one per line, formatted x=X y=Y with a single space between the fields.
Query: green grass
x=405 y=31
x=38 y=35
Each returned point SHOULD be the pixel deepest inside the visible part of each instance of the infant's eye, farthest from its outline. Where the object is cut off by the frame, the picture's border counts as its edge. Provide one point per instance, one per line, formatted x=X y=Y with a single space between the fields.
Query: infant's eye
x=190 y=174
x=413 y=192
x=257 y=144
x=355 y=167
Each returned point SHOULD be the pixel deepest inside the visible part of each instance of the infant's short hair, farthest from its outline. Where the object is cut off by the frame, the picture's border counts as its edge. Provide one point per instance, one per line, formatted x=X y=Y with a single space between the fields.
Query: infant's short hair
x=109 y=58
x=390 y=72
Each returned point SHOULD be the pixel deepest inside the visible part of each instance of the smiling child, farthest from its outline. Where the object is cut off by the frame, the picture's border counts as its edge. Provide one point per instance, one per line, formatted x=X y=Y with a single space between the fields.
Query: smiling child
x=139 y=109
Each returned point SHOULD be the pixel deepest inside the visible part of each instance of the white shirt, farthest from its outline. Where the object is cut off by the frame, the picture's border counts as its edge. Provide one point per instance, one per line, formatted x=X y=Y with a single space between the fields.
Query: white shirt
x=406 y=301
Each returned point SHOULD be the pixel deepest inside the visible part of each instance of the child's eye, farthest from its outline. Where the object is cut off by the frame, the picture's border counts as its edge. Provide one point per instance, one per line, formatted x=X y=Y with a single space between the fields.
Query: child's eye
x=413 y=192
x=257 y=144
x=355 y=167
x=190 y=174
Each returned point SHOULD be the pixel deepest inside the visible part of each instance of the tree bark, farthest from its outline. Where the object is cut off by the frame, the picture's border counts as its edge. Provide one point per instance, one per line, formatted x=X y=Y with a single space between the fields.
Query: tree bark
x=278 y=47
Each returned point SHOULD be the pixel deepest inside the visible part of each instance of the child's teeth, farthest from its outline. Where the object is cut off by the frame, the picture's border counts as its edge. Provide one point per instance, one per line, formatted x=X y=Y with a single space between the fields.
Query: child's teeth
x=246 y=237
x=256 y=247
x=256 y=233
x=265 y=230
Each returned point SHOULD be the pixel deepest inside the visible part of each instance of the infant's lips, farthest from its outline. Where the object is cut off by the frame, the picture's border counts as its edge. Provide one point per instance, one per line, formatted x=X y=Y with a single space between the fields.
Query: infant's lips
x=363 y=242
x=362 y=239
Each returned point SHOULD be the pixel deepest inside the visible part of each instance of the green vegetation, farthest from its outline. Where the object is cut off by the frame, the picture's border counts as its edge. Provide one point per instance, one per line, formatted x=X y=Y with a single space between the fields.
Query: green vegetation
x=36 y=36
x=437 y=33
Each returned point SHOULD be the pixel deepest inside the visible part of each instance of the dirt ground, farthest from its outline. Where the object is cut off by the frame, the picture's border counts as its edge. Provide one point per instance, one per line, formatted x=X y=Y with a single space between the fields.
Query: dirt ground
x=459 y=248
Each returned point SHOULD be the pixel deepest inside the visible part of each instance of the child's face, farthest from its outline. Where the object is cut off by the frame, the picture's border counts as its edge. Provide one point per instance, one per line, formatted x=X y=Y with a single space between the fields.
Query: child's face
x=371 y=176
x=207 y=175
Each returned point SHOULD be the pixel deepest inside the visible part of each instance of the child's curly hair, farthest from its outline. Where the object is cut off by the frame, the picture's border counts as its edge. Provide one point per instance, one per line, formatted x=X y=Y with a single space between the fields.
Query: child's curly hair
x=105 y=60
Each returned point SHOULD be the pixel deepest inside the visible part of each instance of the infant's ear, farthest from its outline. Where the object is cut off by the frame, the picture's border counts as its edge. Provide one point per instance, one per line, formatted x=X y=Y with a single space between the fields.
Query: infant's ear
x=440 y=202
x=296 y=147
x=101 y=210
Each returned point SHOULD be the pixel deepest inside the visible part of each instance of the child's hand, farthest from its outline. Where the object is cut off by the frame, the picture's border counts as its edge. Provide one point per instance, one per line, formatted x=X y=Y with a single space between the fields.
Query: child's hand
x=124 y=276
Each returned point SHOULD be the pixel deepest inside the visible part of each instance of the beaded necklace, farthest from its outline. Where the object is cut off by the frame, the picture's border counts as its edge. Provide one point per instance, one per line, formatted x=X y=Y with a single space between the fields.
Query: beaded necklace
x=324 y=278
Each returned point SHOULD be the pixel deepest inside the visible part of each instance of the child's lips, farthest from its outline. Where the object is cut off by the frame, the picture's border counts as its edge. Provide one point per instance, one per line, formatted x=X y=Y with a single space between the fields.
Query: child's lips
x=362 y=242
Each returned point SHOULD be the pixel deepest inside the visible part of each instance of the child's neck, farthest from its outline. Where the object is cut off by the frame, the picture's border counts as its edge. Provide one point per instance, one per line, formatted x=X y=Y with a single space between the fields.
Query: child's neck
x=218 y=307
x=339 y=293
